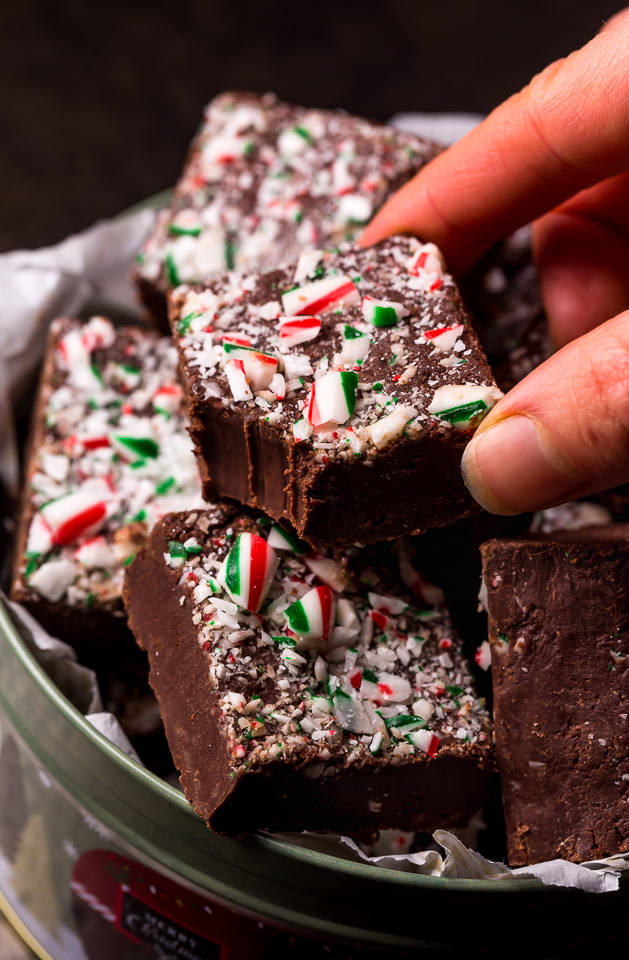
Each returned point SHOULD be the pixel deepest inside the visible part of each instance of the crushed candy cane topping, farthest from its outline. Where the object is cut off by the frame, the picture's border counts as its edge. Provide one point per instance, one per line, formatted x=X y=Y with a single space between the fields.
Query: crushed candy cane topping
x=337 y=670
x=266 y=179
x=367 y=354
x=112 y=457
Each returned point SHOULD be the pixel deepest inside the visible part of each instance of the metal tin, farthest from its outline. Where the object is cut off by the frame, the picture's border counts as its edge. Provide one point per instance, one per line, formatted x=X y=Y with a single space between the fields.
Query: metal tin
x=100 y=859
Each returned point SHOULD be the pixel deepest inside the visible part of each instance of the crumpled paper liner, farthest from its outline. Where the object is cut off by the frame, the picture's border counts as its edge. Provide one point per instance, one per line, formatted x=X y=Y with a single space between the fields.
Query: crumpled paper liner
x=38 y=285
x=87 y=272
x=77 y=683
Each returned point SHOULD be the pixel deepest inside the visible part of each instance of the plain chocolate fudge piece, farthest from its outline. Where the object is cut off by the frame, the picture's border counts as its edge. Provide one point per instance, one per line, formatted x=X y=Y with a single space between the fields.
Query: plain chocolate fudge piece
x=299 y=691
x=109 y=456
x=264 y=180
x=559 y=634
x=338 y=394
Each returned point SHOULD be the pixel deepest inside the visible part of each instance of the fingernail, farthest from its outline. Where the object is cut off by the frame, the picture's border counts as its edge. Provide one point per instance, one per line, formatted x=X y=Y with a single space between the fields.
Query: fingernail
x=510 y=468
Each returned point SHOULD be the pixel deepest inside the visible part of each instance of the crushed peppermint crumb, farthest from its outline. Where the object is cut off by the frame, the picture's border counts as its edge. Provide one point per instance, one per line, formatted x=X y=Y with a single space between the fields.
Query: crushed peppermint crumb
x=340 y=394
x=112 y=457
x=266 y=179
x=342 y=674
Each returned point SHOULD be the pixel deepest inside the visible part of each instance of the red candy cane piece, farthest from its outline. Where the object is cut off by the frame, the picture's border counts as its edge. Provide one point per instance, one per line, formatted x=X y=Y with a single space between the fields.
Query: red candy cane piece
x=330 y=292
x=295 y=331
x=444 y=337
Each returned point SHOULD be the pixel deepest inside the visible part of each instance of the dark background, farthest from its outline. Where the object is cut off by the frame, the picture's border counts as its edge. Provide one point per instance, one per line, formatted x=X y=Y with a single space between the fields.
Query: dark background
x=99 y=100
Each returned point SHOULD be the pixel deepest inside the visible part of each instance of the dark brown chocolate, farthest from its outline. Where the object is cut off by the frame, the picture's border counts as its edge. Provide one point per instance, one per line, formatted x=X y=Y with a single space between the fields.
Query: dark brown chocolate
x=109 y=454
x=351 y=429
x=559 y=634
x=377 y=725
x=263 y=180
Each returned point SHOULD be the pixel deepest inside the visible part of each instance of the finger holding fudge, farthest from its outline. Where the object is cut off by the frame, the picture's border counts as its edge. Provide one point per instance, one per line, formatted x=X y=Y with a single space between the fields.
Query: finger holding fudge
x=555 y=137
x=561 y=433
x=555 y=144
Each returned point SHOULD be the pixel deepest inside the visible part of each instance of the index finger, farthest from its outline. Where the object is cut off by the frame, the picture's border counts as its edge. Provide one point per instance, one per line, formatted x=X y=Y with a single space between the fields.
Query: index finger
x=562 y=133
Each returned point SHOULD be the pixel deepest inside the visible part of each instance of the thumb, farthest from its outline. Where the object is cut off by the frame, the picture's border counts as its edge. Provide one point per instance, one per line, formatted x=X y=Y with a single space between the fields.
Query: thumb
x=562 y=433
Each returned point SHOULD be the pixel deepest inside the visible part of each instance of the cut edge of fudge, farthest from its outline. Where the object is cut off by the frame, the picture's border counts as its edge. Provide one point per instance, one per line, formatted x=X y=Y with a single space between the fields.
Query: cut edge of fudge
x=338 y=393
x=48 y=531
x=559 y=635
x=246 y=760
x=264 y=179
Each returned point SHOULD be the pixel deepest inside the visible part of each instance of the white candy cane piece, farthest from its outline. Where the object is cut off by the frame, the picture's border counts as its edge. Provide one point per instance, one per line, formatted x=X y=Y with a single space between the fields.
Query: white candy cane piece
x=298 y=330
x=350 y=714
x=168 y=398
x=423 y=709
x=427 y=261
x=354 y=208
x=39 y=537
x=308 y=262
x=281 y=539
x=444 y=337
x=302 y=430
x=77 y=359
x=329 y=571
x=237 y=380
x=52 y=579
x=393 y=688
x=260 y=368
x=425 y=741
x=278 y=386
x=382 y=313
x=389 y=428
x=463 y=405
x=483 y=656
x=312 y=617
x=75 y=514
x=291 y=142
x=333 y=397
x=391 y=605
x=346 y=615
x=270 y=310
x=99 y=332
x=354 y=348
x=342 y=180
x=248 y=570
x=326 y=294
x=96 y=554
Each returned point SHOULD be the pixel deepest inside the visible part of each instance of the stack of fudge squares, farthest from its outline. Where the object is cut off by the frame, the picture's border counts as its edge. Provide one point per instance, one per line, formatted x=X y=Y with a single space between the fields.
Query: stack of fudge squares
x=261 y=488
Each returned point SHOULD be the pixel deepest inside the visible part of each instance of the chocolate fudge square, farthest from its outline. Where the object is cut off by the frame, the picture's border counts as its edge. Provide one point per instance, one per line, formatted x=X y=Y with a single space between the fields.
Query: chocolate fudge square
x=299 y=691
x=338 y=393
x=559 y=634
x=264 y=180
x=109 y=456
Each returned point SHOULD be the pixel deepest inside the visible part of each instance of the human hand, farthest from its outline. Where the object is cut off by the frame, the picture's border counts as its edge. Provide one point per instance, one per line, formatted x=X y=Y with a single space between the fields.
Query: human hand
x=557 y=151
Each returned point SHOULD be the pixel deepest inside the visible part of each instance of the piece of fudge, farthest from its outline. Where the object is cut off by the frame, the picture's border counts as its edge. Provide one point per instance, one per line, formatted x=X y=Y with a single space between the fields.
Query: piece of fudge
x=264 y=180
x=339 y=393
x=559 y=634
x=109 y=456
x=300 y=691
